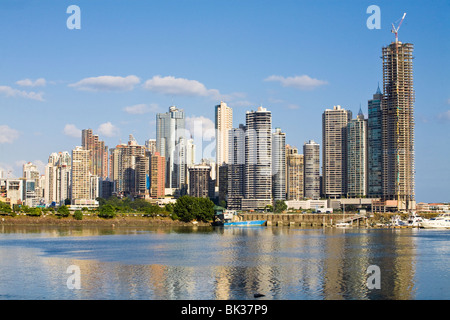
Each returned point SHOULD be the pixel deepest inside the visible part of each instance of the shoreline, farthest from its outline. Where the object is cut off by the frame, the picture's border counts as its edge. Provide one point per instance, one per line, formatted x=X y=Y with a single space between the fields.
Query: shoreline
x=95 y=221
x=130 y=221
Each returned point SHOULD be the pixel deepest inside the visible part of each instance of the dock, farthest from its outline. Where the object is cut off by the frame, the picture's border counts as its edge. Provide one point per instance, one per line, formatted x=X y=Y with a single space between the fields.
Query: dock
x=302 y=219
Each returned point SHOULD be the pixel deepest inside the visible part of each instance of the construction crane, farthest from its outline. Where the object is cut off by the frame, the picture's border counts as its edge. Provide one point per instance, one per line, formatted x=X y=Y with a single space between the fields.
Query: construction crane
x=395 y=30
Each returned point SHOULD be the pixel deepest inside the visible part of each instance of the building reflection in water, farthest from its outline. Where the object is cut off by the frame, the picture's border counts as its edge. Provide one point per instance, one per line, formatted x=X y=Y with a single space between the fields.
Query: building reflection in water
x=228 y=263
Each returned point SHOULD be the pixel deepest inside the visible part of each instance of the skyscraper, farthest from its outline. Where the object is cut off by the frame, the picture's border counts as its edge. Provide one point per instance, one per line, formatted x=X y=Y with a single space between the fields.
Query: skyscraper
x=258 y=158
x=334 y=135
x=375 y=146
x=357 y=156
x=170 y=127
x=81 y=183
x=236 y=167
x=279 y=165
x=199 y=180
x=223 y=123
x=58 y=178
x=398 y=124
x=294 y=174
x=157 y=176
x=98 y=162
x=130 y=167
x=311 y=153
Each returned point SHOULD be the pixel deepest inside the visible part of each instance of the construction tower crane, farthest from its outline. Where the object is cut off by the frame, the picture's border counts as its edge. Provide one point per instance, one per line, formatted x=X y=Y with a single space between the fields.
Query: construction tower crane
x=395 y=30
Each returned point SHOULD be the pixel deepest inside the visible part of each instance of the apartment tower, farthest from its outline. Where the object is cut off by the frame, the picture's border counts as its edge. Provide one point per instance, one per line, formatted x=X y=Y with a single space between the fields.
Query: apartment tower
x=258 y=158
x=278 y=165
x=334 y=144
x=311 y=154
x=375 y=146
x=357 y=157
x=294 y=174
x=170 y=127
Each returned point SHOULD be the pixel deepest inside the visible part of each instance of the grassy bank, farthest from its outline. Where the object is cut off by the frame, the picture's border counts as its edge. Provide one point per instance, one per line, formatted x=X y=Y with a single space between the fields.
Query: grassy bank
x=119 y=220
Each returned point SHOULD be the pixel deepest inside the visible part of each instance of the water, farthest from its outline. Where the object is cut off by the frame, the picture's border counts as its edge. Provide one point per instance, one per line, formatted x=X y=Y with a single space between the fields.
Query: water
x=283 y=263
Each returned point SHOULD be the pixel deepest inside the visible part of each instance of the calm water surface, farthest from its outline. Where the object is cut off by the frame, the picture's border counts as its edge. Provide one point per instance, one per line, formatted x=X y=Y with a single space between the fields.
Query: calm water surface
x=223 y=263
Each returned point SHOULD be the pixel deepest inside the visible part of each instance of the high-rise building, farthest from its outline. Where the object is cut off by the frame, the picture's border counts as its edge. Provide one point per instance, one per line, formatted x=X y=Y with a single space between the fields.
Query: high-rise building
x=184 y=157
x=279 y=165
x=375 y=146
x=199 y=180
x=157 y=176
x=223 y=186
x=334 y=136
x=236 y=167
x=31 y=172
x=150 y=145
x=357 y=156
x=170 y=127
x=130 y=167
x=223 y=122
x=311 y=153
x=98 y=162
x=294 y=174
x=258 y=158
x=58 y=173
x=81 y=181
x=398 y=124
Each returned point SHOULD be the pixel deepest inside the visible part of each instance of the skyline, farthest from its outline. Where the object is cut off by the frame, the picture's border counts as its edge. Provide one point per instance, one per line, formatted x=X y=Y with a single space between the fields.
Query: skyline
x=296 y=59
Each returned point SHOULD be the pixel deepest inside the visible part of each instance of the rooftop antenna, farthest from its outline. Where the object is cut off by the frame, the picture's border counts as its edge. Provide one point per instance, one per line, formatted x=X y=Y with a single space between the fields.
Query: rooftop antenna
x=395 y=30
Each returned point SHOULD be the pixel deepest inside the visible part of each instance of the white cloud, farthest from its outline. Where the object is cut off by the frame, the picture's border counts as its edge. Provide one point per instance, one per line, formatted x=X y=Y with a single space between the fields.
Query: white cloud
x=11 y=92
x=293 y=106
x=107 y=129
x=444 y=116
x=30 y=83
x=241 y=103
x=141 y=108
x=72 y=131
x=303 y=82
x=201 y=125
x=179 y=86
x=107 y=83
x=7 y=134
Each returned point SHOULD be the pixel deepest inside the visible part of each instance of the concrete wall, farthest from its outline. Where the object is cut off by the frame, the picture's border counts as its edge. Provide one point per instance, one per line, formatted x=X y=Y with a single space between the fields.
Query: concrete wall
x=315 y=219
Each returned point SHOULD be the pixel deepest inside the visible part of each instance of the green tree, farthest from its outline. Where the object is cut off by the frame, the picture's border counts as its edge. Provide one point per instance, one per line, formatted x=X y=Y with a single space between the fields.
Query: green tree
x=107 y=211
x=63 y=211
x=37 y=212
x=189 y=208
x=280 y=206
x=4 y=207
x=205 y=209
x=78 y=215
x=184 y=208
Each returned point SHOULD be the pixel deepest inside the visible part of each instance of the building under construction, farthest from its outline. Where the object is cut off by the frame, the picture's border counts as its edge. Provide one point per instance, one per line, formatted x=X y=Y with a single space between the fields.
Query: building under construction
x=398 y=125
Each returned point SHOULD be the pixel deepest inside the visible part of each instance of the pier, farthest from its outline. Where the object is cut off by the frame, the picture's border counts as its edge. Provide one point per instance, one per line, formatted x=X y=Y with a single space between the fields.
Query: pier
x=302 y=219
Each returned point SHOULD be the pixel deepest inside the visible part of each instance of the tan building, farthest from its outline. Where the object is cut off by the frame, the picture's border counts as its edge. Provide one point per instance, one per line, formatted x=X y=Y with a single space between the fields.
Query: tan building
x=81 y=182
x=334 y=144
x=157 y=176
x=99 y=153
x=130 y=167
x=294 y=174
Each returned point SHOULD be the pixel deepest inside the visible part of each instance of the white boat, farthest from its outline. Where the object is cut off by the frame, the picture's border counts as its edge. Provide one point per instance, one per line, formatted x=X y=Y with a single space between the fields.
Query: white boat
x=398 y=222
x=414 y=220
x=343 y=225
x=440 y=222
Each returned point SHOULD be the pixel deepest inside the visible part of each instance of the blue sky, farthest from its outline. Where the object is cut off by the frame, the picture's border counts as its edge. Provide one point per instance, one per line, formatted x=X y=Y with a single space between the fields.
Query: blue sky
x=131 y=59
